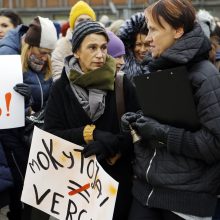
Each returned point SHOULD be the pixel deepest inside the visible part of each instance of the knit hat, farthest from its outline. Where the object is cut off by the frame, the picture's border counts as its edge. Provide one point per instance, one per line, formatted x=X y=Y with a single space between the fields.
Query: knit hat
x=41 y=33
x=80 y=8
x=83 y=29
x=115 y=45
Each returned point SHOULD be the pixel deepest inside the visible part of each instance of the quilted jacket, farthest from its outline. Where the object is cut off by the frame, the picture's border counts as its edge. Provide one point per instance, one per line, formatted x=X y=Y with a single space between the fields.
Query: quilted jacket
x=183 y=176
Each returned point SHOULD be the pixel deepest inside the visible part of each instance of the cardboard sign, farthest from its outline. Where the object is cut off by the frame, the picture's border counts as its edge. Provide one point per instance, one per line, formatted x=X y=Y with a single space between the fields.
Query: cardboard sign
x=11 y=102
x=64 y=184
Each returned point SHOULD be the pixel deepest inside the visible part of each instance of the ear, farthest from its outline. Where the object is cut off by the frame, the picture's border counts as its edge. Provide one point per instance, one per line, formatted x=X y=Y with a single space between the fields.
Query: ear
x=179 y=33
x=76 y=55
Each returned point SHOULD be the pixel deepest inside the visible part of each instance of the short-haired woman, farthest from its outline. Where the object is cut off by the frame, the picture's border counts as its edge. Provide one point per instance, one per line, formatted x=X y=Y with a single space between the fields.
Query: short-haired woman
x=178 y=176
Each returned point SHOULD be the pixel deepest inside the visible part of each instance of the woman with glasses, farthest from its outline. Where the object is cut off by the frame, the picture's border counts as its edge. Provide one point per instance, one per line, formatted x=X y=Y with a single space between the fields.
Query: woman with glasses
x=35 y=44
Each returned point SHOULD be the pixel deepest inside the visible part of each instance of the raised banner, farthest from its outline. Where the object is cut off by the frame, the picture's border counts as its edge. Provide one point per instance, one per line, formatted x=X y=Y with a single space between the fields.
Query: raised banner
x=64 y=184
x=11 y=103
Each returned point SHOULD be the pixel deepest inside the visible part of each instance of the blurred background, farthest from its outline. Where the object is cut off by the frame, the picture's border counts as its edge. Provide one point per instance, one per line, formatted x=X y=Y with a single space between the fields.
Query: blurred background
x=114 y=9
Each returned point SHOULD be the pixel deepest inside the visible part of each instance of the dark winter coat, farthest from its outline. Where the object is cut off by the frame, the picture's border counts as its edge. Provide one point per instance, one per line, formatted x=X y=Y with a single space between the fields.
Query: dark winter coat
x=12 y=139
x=66 y=118
x=184 y=175
x=40 y=89
x=6 y=181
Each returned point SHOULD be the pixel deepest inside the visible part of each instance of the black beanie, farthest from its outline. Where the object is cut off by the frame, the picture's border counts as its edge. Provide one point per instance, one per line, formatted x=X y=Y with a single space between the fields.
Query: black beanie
x=83 y=29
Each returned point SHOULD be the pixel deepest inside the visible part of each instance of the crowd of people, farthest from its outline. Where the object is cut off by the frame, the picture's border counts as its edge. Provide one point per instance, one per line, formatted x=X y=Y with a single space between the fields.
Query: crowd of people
x=71 y=73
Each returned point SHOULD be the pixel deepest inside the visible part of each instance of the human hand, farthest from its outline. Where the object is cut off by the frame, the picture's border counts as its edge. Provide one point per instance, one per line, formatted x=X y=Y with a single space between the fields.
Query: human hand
x=24 y=90
x=149 y=128
x=127 y=119
x=105 y=145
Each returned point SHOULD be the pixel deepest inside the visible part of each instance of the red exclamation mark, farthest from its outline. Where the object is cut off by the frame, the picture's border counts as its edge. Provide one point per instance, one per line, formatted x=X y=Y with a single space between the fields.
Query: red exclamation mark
x=8 y=100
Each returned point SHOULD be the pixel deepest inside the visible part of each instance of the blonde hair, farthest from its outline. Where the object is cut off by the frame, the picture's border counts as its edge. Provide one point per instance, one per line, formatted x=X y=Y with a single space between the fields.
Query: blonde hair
x=24 y=61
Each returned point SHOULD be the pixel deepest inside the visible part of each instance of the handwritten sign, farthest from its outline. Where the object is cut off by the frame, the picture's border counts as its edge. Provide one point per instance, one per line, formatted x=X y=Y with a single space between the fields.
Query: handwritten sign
x=11 y=103
x=64 y=184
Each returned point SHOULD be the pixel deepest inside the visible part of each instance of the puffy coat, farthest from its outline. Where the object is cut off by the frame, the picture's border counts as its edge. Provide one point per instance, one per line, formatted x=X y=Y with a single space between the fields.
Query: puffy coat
x=11 y=43
x=183 y=176
x=40 y=88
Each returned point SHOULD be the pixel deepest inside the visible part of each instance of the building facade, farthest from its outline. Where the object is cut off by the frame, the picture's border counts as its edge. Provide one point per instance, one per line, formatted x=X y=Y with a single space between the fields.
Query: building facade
x=59 y=9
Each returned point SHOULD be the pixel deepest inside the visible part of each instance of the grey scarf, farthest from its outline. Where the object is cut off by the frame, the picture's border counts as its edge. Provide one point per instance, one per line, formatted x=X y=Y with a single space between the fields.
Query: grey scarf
x=91 y=100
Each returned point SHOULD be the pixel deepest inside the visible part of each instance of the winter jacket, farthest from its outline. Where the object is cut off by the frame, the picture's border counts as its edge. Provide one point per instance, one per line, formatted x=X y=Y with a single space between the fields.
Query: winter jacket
x=6 y=181
x=183 y=175
x=62 y=50
x=66 y=118
x=127 y=33
x=11 y=43
x=40 y=89
x=12 y=139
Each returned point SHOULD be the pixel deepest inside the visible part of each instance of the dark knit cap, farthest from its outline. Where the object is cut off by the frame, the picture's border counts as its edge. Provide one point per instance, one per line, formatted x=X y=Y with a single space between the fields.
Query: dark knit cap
x=83 y=29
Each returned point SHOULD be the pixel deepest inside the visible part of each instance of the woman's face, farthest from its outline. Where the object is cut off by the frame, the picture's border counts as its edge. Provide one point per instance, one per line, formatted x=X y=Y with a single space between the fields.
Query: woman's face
x=141 y=47
x=119 y=62
x=38 y=57
x=40 y=53
x=5 y=26
x=161 y=38
x=92 y=52
x=82 y=18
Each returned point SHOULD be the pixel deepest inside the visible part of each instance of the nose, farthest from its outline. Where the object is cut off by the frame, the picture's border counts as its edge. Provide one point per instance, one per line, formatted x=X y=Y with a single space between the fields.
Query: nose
x=44 y=58
x=143 y=47
x=99 y=53
x=121 y=60
x=148 y=38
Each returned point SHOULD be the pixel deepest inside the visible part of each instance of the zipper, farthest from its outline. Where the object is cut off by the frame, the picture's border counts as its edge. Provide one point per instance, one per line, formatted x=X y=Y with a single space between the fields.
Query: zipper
x=41 y=90
x=149 y=196
x=16 y=164
x=148 y=169
x=151 y=160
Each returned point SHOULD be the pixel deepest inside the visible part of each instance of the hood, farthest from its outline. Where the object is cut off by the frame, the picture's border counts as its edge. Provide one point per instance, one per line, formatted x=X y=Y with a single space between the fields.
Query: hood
x=192 y=45
x=13 y=38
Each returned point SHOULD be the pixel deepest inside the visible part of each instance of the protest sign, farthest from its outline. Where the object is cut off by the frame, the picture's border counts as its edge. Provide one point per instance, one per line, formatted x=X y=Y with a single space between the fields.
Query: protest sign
x=11 y=103
x=64 y=184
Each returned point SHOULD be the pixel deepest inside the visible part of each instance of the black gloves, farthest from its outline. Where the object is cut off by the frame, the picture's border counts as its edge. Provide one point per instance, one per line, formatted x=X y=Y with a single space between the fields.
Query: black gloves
x=24 y=90
x=128 y=118
x=149 y=128
x=105 y=145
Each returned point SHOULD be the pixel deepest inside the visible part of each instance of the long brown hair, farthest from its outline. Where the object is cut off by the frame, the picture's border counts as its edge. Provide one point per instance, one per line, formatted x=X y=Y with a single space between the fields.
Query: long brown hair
x=24 y=61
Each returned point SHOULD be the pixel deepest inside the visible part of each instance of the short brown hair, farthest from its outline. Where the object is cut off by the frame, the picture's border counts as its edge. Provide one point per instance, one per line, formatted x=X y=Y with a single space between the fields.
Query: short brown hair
x=177 y=13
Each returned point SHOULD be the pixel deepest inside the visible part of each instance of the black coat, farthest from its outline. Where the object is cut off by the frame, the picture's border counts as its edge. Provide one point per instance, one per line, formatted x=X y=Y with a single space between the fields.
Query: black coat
x=6 y=180
x=184 y=175
x=66 y=118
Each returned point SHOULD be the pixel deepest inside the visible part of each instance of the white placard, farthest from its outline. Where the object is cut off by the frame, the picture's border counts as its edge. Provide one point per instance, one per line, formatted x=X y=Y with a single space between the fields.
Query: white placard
x=64 y=184
x=11 y=102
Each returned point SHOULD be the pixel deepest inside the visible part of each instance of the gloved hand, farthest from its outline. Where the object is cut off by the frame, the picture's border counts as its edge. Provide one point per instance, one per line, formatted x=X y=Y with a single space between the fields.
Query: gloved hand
x=105 y=145
x=149 y=128
x=24 y=90
x=128 y=118
x=96 y=148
